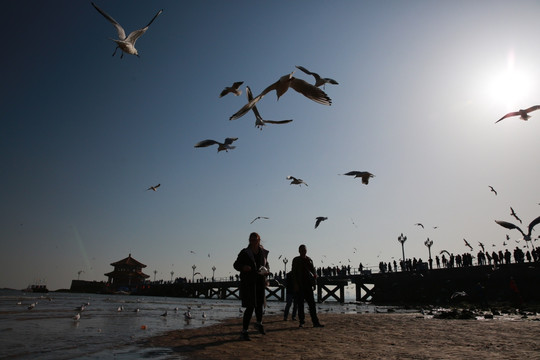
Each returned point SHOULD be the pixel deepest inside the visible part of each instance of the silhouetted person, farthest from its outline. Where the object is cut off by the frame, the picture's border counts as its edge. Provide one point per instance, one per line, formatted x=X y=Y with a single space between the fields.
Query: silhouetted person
x=290 y=297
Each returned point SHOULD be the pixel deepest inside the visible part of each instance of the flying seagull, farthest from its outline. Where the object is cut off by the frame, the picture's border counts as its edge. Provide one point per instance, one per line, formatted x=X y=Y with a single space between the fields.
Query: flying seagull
x=257 y=218
x=513 y=213
x=259 y=121
x=523 y=114
x=526 y=237
x=226 y=145
x=492 y=189
x=281 y=86
x=444 y=251
x=232 y=89
x=153 y=188
x=365 y=175
x=318 y=220
x=318 y=80
x=419 y=224
x=296 y=181
x=126 y=44
x=482 y=246
x=468 y=245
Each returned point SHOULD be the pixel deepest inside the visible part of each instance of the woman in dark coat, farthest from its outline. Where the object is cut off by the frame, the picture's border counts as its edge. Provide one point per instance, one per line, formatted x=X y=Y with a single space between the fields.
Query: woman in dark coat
x=253 y=266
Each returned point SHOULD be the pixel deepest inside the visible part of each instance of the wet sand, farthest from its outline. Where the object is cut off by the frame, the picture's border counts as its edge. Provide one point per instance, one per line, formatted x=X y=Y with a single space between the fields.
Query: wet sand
x=360 y=336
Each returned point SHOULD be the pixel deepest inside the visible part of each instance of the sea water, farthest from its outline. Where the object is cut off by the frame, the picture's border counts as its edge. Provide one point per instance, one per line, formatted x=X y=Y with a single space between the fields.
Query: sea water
x=110 y=326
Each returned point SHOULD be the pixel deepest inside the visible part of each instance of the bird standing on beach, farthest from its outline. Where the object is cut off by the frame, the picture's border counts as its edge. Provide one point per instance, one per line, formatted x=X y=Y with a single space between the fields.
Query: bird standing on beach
x=77 y=317
x=365 y=175
x=318 y=220
x=281 y=86
x=513 y=213
x=232 y=89
x=526 y=237
x=153 y=188
x=319 y=81
x=226 y=145
x=126 y=44
x=259 y=121
x=492 y=189
x=296 y=181
x=523 y=114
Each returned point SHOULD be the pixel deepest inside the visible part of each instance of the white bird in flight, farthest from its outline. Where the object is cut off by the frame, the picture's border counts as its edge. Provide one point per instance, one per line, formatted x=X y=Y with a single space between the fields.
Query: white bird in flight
x=318 y=80
x=257 y=218
x=281 y=86
x=296 y=181
x=526 y=237
x=365 y=175
x=126 y=44
x=259 y=121
x=232 y=89
x=153 y=188
x=318 y=220
x=226 y=145
x=523 y=114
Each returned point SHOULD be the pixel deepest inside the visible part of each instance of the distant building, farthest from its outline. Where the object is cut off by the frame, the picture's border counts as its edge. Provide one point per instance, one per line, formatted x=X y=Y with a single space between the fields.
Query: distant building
x=127 y=275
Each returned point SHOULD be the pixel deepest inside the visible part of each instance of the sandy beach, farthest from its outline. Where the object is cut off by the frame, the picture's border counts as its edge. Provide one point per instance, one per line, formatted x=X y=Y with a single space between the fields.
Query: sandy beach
x=361 y=336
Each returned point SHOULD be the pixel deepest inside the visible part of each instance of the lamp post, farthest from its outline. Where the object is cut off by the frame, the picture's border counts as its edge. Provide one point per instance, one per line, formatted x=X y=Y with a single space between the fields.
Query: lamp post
x=402 y=240
x=213 y=272
x=193 y=278
x=155 y=273
x=79 y=274
x=285 y=261
x=172 y=273
x=428 y=243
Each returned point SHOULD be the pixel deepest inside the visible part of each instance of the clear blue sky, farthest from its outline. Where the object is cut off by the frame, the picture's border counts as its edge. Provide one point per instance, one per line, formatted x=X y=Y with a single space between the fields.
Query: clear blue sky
x=421 y=84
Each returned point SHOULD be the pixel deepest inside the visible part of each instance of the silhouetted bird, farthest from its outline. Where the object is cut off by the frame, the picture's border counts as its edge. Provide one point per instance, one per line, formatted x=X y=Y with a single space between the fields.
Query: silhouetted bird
x=126 y=44
x=296 y=181
x=226 y=145
x=513 y=213
x=418 y=224
x=526 y=237
x=318 y=220
x=468 y=245
x=482 y=246
x=281 y=86
x=444 y=251
x=259 y=121
x=257 y=218
x=492 y=189
x=232 y=89
x=318 y=80
x=365 y=175
x=523 y=114
x=154 y=188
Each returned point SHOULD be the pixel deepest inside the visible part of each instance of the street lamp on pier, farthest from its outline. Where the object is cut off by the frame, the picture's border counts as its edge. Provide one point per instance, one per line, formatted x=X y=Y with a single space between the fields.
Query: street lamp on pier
x=428 y=243
x=402 y=240
x=193 y=277
x=285 y=261
x=155 y=273
x=172 y=273
x=79 y=274
x=213 y=272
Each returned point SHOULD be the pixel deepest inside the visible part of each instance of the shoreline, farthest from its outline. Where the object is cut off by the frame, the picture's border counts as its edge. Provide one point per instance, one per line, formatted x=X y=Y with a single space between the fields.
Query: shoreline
x=358 y=336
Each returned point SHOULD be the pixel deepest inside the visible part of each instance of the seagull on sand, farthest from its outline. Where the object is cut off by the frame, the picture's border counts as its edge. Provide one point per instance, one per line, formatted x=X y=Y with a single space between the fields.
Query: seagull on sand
x=318 y=220
x=523 y=114
x=365 y=175
x=77 y=317
x=153 y=188
x=164 y=314
x=513 y=213
x=281 y=86
x=187 y=315
x=257 y=218
x=226 y=145
x=126 y=44
x=318 y=80
x=232 y=89
x=296 y=181
x=526 y=237
x=259 y=121
x=492 y=189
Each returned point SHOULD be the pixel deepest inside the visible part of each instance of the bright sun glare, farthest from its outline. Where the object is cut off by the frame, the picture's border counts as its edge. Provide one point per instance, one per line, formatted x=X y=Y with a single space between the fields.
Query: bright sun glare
x=511 y=87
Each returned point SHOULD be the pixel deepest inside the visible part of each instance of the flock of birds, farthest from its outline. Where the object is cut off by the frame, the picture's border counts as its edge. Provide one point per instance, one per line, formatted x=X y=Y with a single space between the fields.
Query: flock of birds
x=312 y=91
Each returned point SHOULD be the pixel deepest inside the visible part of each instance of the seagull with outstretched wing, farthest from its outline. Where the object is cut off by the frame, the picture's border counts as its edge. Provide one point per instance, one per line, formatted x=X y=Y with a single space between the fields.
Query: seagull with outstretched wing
x=259 y=217
x=259 y=121
x=296 y=181
x=364 y=175
x=153 y=188
x=526 y=237
x=523 y=114
x=234 y=89
x=126 y=43
x=226 y=145
x=318 y=79
x=318 y=220
x=513 y=213
x=468 y=245
x=492 y=189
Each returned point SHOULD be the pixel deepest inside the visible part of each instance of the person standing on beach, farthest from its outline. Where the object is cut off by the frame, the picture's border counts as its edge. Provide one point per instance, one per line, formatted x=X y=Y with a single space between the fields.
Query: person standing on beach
x=305 y=278
x=253 y=267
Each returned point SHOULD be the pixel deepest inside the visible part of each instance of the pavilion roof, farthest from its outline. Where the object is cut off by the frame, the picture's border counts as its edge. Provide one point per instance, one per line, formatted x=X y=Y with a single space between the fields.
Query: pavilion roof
x=129 y=261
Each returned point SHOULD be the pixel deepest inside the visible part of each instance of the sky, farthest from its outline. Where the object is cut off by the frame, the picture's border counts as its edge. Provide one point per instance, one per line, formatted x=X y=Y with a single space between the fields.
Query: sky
x=421 y=84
